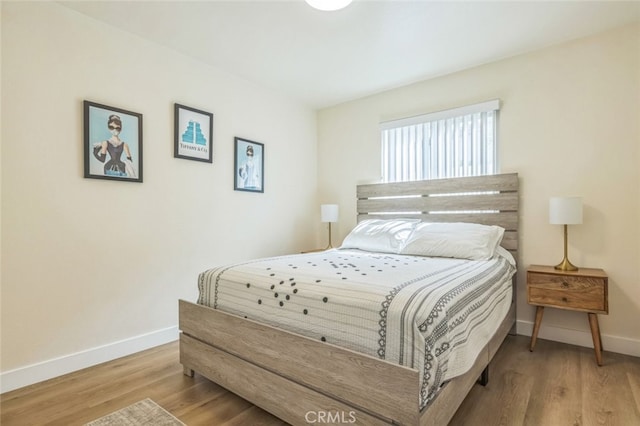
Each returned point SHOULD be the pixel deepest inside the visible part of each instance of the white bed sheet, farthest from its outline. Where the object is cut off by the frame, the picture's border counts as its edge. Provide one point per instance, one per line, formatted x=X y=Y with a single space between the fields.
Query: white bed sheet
x=430 y=314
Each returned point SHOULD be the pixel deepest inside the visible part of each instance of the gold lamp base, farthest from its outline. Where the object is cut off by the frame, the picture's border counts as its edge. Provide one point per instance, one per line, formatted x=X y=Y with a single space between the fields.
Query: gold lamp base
x=329 y=246
x=565 y=265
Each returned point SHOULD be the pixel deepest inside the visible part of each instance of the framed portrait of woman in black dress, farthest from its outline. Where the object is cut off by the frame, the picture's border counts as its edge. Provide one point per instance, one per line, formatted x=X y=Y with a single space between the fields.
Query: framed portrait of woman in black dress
x=112 y=143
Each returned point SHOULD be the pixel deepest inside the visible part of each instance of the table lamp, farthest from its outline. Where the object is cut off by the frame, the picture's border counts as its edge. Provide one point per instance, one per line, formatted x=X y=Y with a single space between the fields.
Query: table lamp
x=329 y=213
x=565 y=211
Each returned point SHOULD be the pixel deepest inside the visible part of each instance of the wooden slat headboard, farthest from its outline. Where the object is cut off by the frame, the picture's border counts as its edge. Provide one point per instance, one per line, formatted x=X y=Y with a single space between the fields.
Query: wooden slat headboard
x=489 y=200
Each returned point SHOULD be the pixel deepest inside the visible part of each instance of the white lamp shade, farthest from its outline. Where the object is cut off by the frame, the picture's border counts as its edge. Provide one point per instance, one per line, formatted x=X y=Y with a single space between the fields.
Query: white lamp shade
x=565 y=210
x=329 y=212
x=328 y=5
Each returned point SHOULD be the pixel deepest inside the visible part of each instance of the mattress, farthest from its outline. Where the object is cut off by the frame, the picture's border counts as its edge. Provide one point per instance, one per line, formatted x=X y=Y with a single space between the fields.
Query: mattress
x=430 y=314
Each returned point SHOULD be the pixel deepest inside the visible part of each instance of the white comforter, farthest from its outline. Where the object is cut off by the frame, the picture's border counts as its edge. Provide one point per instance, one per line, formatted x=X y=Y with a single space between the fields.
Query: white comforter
x=430 y=314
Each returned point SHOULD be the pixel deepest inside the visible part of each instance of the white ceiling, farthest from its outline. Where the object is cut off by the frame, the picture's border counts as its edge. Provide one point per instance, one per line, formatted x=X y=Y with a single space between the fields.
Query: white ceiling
x=325 y=58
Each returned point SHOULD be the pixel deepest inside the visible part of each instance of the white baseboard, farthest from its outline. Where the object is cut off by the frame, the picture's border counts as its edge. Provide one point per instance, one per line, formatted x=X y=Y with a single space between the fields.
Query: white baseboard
x=39 y=372
x=621 y=345
x=45 y=370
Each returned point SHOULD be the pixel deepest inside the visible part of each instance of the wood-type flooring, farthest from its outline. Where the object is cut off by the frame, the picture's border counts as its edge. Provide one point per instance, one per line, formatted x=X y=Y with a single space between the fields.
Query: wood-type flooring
x=557 y=384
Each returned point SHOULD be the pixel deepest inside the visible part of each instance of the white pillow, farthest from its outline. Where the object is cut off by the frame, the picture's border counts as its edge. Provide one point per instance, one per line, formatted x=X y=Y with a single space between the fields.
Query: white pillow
x=459 y=240
x=380 y=235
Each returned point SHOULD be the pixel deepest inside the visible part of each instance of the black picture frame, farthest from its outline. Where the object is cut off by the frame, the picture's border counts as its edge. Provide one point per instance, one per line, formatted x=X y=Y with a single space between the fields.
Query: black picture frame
x=193 y=134
x=248 y=165
x=104 y=159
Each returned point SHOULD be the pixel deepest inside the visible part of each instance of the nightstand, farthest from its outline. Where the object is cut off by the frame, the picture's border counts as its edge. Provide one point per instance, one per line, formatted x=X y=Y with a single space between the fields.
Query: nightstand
x=584 y=290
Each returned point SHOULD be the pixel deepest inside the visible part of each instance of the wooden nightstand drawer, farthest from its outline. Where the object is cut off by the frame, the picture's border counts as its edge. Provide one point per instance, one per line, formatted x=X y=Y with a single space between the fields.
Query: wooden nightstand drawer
x=585 y=290
x=583 y=293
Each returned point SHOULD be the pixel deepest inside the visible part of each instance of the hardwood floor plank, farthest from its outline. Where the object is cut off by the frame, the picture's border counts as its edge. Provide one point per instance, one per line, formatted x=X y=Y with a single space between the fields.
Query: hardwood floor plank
x=507 y=392
x=633 y=378
x=89 y=388
x=556 y=394
x=608 y=393
x=98 y=406
x=254 y=416
x=224 y=407
x=191 y=398
x=557 y=384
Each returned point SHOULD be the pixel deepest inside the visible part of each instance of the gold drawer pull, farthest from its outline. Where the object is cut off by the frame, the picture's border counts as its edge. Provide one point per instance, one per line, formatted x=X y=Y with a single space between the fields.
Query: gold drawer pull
x=565 y=300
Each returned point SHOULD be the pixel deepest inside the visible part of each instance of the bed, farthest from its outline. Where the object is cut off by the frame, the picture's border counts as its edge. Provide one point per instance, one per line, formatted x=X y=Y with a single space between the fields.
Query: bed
x=291 y=375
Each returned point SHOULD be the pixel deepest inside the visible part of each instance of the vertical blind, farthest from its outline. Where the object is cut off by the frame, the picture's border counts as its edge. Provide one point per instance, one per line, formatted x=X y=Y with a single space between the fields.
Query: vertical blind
x=451 y=143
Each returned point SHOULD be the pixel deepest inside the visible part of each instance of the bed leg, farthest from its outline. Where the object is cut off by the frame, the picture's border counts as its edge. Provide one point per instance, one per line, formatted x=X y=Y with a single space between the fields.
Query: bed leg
x=187 y=371
x=484 y=376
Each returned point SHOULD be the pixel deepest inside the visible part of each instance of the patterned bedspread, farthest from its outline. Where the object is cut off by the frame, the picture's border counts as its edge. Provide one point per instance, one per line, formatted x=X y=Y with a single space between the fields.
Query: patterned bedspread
x=430 y=314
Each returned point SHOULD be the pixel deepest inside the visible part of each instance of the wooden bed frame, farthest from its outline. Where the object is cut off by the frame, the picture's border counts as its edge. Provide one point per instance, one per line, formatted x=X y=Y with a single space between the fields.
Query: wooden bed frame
x=290 y=375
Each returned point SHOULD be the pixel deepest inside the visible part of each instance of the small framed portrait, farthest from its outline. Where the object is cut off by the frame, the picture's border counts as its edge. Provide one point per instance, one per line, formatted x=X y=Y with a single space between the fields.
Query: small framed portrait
x=193 y=134
x=112 y=143
x=249 y=166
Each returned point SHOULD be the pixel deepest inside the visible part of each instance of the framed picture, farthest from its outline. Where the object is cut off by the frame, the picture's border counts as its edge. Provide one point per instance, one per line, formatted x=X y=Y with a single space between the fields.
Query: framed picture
x=112 y=143
x=248 y=166
x=193 y=133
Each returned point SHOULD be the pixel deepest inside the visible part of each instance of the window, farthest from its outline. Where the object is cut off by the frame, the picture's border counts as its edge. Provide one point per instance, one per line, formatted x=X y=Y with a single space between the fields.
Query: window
x=452 y=143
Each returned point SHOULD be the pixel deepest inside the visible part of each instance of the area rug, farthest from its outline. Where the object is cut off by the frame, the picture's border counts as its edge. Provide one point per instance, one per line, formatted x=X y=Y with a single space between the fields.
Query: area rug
x=145 y=412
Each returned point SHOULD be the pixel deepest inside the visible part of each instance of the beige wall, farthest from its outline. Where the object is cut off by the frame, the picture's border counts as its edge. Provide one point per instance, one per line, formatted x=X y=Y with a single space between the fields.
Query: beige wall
x=569 y=125
x=89 y=262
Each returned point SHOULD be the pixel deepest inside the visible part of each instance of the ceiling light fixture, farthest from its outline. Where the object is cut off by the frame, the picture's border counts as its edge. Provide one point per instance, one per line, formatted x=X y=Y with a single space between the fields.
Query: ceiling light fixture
x=328 y=5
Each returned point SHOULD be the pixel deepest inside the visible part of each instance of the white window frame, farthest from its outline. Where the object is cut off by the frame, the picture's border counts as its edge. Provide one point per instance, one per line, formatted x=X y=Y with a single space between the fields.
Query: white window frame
x=465 y=143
